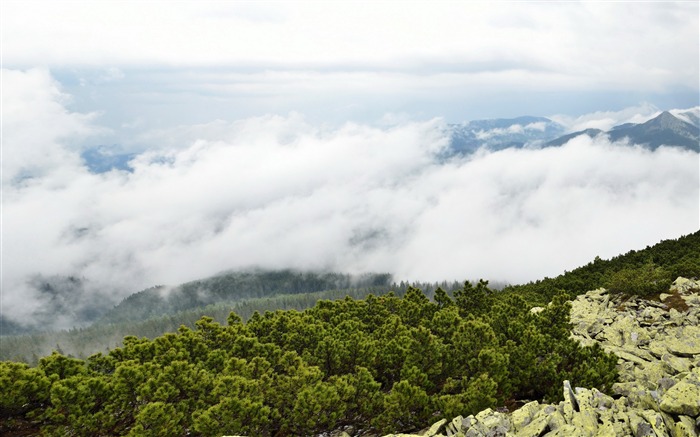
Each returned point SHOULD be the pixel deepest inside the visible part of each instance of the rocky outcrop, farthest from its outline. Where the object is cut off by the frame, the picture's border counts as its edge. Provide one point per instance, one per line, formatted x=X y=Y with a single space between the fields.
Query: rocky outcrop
x=658 y=345
x=586 y=413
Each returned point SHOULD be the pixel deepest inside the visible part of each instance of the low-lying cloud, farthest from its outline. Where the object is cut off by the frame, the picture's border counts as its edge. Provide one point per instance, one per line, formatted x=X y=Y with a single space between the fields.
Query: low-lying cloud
x=279 y=192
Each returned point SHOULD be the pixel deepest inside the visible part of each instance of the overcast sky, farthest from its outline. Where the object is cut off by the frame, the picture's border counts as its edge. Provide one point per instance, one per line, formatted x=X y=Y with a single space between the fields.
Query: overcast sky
x=149 y=63
x=304 y=134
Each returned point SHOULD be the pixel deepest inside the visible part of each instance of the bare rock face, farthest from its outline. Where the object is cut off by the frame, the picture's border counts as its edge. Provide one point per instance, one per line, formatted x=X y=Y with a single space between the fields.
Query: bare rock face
x=658 y=345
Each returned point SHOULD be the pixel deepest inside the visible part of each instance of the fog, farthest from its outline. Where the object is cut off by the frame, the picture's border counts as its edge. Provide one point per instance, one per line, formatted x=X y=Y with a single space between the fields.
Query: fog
x=277 y=191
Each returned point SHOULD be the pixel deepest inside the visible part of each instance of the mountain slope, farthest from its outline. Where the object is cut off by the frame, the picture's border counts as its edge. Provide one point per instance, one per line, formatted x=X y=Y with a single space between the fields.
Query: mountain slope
x=662 y=130
x=232 y=287
x=566 y=138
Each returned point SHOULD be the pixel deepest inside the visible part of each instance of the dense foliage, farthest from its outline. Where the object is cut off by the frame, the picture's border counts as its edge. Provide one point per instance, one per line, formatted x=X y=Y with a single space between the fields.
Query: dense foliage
x=100 y=337
x=384 y=363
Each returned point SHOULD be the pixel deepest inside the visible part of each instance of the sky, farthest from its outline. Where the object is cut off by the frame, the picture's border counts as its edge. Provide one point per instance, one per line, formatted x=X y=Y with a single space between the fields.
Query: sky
x=305 y=135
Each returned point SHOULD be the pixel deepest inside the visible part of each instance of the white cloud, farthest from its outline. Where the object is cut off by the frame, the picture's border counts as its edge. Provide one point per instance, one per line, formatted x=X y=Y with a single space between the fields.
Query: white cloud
x=541 y=45
x=37 y=129
x=148 y=65
x=606 y=120
x=278 y=191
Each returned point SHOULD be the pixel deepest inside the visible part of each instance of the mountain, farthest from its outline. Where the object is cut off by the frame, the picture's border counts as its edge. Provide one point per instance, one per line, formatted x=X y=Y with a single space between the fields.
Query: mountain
x=677 y=128
x=502 y=133
x=568 y=137
x=232 y=287
x=663 y=130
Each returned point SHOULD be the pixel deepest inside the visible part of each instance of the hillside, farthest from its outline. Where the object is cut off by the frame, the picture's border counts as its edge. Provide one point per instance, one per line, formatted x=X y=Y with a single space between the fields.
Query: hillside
x=379 y=364
x=83 y=342
x=100 y=336
x=374 y=365
x=232 y=287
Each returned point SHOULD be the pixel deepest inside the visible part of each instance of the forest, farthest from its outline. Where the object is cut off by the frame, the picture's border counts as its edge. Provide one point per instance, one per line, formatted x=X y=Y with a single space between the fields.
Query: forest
x=106 y=334
x=373 y=363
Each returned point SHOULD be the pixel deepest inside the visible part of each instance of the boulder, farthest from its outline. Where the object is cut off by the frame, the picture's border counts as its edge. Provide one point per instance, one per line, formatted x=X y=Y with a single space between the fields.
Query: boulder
x=687 y=344
x=684 y=427
x=435 y=428
x=639 y=426
x=676 y=364
x=454 y=426
x=683 y=398
x=534 y=428
x=523 y=416
x=492 y=423
x=684 y=285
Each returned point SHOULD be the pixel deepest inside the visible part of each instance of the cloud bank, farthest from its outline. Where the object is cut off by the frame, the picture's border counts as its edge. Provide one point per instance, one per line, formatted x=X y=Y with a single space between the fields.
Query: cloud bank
x=152 y=64
x=299 y=38
x=277 y=192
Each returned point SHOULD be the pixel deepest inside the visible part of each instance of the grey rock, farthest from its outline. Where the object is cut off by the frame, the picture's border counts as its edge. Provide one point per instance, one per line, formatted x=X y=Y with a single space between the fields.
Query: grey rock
x=665 y=383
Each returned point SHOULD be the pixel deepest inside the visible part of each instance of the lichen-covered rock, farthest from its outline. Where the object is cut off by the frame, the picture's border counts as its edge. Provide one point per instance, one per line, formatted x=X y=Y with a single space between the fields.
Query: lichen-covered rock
x=455 y=426
x=682 y=398
x=606 y=430
x=684 y=427
x=523 y=416
x=534 y=428
x=433 y=430
x=684 y=285
x=567 y=431
x=686 y=343
x=676 y=364
x=492 y=423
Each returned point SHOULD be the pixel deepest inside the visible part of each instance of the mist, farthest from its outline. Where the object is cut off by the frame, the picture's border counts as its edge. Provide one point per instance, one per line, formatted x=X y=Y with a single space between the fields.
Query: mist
x=278 y=191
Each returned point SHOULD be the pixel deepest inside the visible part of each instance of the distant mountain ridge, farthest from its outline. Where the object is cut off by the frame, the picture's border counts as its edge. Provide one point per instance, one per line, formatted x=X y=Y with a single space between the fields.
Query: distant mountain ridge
x=676 y=128
x=502 y=133
x=665 y=129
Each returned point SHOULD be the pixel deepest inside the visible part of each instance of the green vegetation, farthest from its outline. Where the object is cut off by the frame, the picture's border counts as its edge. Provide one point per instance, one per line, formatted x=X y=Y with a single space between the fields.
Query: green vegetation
x=387 y=363
x=101 y=337
x=643 y=272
